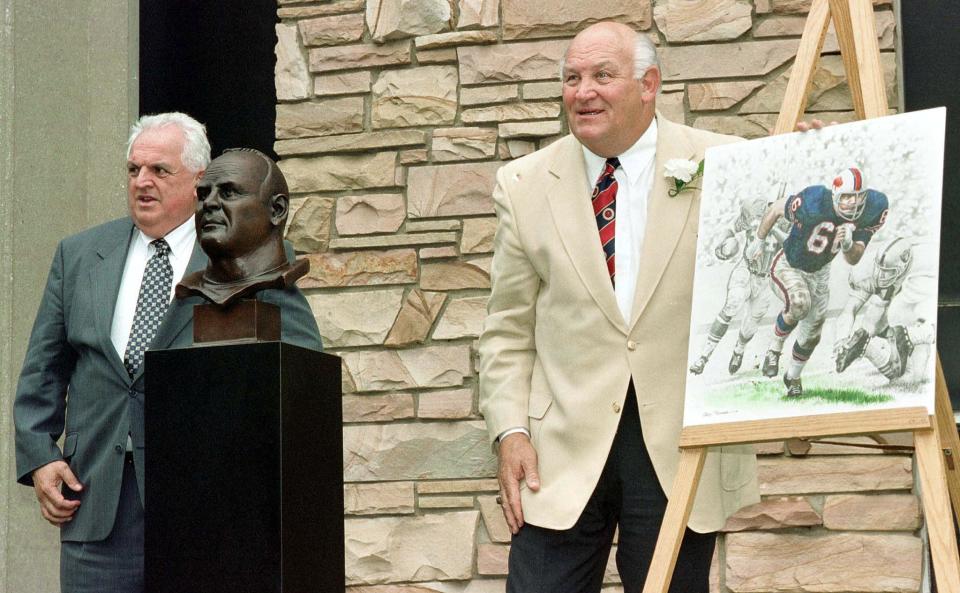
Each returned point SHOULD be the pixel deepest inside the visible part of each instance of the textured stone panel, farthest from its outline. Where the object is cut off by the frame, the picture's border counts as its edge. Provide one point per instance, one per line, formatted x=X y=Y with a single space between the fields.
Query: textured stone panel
x=347 y=83
x=395 y=19
x=309 y=228
x=361 y=268
x=529 y=129
x=451 y=190
x=290 y=72
x=774 y=513
x=391 y=549
x=511 y=62
x=489 y=94
x=348 y=57
x=383 y=498
x=454 y=39
x=512 y=149
x=511 y=112
x=747 y=58
x=713 y=96
x=319 y=118
x=416 y=317
x=424 y=226
x=334 y=173
x=780 y=26
x=430 y=366
x=415 y=97
x=444 y=55
x=799 y=6
x=525 y=19
x=831 y=563
x=334 y=7
x=370 y=213
x=351 y=142
x=392 y=240
x=438 y=252
x=445 y=502
x=478 y=13
x=853 y=473
x=448 y=405
x=829 y=91
x=881 y=512
x=414 y=156
x=671 y=106
x=355 y=318
x=460 y=144
x=542 y=90
x=454 y=275
x=420 y=451
x=682 y=21
x=378 y=408
x=493 y=520
x=832 y=449
x=332 y=30
x=478 y=235
x=457 y=486
x=492 y=559
x=463 y=318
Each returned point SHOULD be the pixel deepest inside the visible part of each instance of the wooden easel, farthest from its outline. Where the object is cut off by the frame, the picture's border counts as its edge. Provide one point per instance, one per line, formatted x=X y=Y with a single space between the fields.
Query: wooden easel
x=937 y=445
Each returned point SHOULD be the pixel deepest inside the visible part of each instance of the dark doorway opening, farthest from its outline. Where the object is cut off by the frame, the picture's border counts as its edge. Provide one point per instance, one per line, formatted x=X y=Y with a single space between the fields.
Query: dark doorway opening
x=212 y=59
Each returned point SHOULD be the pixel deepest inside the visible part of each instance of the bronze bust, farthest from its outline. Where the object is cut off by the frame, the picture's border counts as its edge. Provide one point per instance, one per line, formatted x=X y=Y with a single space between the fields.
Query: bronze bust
x=242 y=207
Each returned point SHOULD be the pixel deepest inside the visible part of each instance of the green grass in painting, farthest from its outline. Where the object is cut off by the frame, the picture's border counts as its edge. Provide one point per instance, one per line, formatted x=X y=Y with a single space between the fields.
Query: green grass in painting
x=761 y=392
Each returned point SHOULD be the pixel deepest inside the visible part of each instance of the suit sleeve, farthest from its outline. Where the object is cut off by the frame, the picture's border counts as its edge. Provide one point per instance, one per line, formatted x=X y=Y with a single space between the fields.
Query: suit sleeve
x=298 y=326
x=40 y=403
x=507 y=344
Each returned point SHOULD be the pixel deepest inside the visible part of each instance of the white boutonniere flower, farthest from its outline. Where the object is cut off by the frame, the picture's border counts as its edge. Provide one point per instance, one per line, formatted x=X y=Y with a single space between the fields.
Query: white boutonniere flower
x=683 y=172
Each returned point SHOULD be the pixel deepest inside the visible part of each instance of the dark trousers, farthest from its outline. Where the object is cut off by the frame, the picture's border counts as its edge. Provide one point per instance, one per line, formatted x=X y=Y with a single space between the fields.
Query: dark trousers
x=114 y=565
x=627 y=496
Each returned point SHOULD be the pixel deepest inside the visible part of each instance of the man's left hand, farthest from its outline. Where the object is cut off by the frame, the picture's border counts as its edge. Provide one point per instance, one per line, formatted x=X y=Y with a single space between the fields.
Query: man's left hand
x=518 y=462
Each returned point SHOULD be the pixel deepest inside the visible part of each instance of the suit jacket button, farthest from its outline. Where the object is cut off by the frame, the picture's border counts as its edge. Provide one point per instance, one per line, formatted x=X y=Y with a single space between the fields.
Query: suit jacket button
x=631 y=345
x=616 y=408
x=118 y=448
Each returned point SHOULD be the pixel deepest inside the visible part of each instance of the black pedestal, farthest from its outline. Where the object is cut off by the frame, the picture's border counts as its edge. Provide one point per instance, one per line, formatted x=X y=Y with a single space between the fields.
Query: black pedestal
x=244 y=471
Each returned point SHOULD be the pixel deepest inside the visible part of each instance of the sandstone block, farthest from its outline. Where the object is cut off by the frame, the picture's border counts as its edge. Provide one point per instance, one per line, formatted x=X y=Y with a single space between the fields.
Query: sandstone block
x=513 y=149
x=438 y=252
x=309 y=228
x=394 y=549
x=462 y=319
x=416 y=451
x=671 y=106
x=290 y=72
x=747 y=58
x=356 y=318
x=378 y=408
x=420 y=96
x=542 y=90
x=450 y=404
x=370 y=213
x=392 y=240
x=880 y=512
x=799 y=6
x=853 y=473
x=416 y=317
x=455 y=39
x=774 y=513
x=511 y=112
x=684 y=21
x=458 y=486
x=346 y=83
x=788 y=563
x=528 y=129
x=780 y=26
x=489 y=94
x=451 y=190
x=747 y=126
x=493 y=519
x=414 y=156
x=334 y=7
x=712 y=96
x=395 y=19
x=431 y=366
x=424 y=226
x=340 y=172
x=381 y=498
x=361 y=268
x=478 y=13
x=443 y=55
x=525 y=19
x=332 y=30
x=458 y=144
x=445 y=502
x=351 y=142
x=454 y=275
x=511 y=62
x=349 y=57
x=478 y=235
x=319 y=118
x=492 y=559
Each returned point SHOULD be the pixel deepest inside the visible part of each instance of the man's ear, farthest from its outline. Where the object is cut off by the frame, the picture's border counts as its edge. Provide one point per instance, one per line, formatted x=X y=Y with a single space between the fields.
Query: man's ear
x=279 y=206
x=650 y=83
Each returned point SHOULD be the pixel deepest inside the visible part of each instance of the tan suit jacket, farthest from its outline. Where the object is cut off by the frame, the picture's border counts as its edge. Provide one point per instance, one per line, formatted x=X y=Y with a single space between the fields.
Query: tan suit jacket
x=556 y=355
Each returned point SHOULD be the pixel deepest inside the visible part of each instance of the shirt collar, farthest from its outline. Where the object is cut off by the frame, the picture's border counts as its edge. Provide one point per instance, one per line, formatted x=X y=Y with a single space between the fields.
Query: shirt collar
x=634 y=161
x=180 y=239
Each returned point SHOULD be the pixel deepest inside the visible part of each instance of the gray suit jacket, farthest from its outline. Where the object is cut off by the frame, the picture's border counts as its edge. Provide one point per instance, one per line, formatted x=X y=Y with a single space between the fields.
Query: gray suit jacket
x=74 y=382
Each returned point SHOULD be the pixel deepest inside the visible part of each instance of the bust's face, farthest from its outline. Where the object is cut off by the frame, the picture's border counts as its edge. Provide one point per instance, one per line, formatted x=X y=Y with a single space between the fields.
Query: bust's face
x=233 y=218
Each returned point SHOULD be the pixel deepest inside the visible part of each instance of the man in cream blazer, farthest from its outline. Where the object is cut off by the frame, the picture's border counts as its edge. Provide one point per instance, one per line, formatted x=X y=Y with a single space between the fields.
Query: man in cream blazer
x=582 y=365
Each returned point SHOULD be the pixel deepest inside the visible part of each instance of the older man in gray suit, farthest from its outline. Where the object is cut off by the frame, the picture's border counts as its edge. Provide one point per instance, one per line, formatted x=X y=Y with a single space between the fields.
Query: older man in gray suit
x=107 y=299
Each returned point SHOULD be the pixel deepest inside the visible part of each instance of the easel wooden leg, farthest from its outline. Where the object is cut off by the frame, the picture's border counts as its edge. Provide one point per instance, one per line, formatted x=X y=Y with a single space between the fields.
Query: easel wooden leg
x=949 y=440
x=675 y=520
x=936 y=508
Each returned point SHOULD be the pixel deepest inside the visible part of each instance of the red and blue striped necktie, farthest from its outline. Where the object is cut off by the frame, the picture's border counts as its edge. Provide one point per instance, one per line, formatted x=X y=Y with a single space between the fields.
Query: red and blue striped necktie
x=605 y=211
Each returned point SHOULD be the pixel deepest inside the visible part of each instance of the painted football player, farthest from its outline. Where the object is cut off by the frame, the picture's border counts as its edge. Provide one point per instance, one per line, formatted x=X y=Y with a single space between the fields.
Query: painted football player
x=824 y=221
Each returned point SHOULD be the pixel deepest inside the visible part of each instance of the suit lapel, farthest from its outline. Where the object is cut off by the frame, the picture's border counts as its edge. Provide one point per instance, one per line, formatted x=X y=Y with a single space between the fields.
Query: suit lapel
x=569 y=199
x=666 y=216
x=105 y=278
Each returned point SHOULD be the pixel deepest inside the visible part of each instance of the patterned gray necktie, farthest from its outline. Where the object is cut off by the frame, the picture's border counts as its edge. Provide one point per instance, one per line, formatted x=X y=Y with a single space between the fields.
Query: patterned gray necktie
x=151 y=305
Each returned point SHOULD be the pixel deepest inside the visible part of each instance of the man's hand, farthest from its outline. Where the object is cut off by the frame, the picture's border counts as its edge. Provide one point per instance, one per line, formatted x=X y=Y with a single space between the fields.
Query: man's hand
x=518 y=461
x=845 y=237
x=816 y=124
x=46 y=483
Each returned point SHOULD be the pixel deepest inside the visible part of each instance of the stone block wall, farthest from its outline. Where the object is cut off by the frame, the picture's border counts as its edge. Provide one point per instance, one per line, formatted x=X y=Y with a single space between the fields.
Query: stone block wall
x=393 y=117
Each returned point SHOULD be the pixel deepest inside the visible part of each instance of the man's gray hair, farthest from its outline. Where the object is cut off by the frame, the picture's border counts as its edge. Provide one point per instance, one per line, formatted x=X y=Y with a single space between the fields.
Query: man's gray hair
x=196 y=147
x=644 y=56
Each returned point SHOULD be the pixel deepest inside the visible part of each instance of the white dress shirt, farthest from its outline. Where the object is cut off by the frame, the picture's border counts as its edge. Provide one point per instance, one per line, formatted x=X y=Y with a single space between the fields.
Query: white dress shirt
x=180 y=240
x=634 y=184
